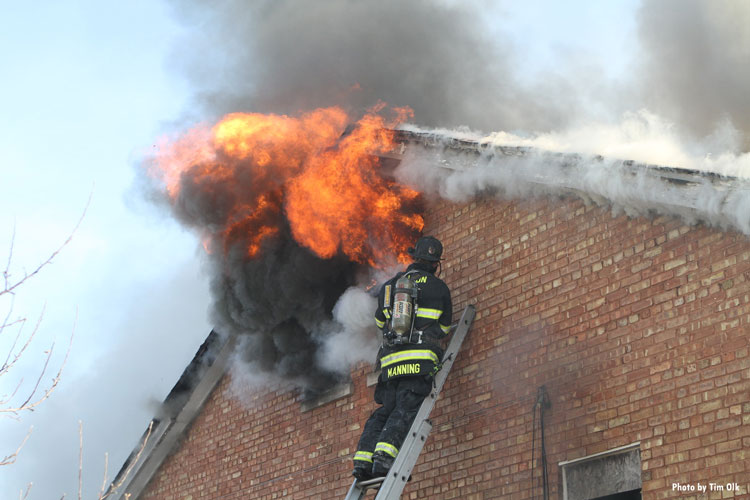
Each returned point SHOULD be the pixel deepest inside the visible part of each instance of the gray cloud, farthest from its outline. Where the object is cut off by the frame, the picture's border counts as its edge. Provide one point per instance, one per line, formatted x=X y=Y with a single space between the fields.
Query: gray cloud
x=694 y=65
x=691 y=65
x=285 y=56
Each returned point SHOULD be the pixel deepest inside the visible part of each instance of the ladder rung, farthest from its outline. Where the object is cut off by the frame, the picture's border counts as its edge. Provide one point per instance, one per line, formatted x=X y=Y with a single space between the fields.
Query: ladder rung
x=371 y=483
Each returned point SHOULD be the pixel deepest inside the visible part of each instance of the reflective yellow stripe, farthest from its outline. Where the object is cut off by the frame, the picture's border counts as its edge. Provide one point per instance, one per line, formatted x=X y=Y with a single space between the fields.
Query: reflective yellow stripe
x=429 y=313
x=365 y=456
x=411 y=355
x=387 y=313
x=446 y=329
x=380 y=324
x=387 y=448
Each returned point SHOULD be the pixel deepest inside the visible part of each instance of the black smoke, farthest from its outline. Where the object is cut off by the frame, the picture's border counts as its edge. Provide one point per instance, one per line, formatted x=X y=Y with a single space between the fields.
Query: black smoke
x=280 y=298
x=279 y=301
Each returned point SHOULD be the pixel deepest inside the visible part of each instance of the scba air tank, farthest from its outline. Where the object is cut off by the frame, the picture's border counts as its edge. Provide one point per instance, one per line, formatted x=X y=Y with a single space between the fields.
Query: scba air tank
x=403 y=305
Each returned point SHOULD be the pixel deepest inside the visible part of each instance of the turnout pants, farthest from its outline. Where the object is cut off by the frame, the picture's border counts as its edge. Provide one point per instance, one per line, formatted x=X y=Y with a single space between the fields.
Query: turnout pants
x=388 y=425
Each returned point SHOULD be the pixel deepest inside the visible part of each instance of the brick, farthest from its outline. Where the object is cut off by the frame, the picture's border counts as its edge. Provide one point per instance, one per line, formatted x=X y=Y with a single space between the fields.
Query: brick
x=637 y=328
x=674 y=263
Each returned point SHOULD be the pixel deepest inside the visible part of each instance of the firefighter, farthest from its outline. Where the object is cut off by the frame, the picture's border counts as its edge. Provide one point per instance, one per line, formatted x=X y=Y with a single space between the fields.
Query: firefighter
x=409 y=357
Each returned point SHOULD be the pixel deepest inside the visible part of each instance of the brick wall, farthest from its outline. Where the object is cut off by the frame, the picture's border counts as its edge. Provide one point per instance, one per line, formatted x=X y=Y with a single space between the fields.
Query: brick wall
x=638 y=329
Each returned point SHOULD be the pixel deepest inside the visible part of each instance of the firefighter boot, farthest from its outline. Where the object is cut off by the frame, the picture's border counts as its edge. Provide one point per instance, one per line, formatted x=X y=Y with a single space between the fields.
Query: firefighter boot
x=381 y=464
x=362 y=471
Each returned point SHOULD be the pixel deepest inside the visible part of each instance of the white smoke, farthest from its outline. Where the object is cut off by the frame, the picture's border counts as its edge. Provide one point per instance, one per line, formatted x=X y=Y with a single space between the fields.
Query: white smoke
x=355 y=337
x=248 y=382
x=617 y=166
x=641 y=136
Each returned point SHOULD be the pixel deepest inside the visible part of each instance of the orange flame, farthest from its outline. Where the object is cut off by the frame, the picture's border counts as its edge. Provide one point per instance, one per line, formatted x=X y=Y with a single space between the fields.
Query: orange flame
x=256 y=170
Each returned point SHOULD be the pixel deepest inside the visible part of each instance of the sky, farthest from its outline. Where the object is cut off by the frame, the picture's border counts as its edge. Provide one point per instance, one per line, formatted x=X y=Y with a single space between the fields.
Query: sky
x=88 y=88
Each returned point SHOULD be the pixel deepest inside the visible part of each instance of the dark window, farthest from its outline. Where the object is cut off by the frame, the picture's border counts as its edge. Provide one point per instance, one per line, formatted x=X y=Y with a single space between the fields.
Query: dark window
x=625 y=495
x=312 y=401
x=612 y=475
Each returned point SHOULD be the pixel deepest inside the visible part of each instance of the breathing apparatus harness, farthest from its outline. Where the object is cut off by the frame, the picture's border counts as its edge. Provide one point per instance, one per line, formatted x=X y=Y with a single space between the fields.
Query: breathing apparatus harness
x=400 y=328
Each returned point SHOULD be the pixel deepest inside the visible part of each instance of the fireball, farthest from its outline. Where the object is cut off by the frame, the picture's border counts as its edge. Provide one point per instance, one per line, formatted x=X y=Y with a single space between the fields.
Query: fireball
x=253 y=177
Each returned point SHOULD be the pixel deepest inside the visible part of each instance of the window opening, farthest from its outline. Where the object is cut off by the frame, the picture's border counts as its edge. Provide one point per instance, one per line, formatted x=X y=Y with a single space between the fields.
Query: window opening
x=610 y=475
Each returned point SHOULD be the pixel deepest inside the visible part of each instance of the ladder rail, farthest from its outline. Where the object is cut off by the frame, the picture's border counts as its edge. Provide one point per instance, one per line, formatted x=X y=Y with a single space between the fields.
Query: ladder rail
x=393 y=484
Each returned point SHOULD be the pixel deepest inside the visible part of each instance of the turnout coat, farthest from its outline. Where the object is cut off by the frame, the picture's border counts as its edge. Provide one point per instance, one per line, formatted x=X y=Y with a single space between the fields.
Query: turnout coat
x=433 y=315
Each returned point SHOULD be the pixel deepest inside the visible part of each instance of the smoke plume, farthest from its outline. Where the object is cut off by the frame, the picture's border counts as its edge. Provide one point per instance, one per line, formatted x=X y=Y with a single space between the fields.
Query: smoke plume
x=505 y=170
x=680 y=104
x=695 y=67
x=286 y=56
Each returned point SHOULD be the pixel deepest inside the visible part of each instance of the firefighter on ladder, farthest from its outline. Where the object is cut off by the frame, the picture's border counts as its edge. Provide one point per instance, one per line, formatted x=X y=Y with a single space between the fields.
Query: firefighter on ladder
x=414 y=313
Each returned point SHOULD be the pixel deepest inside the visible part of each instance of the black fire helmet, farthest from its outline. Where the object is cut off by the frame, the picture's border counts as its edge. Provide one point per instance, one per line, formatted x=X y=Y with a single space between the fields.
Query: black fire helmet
x=427 y=248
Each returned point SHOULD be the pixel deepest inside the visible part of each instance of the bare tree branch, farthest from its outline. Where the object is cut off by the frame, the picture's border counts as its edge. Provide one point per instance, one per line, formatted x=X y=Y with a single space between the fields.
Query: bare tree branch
x=105 y=492
x=115 y=486
x=22 y=341
x=24 y=496
x=6 y=273
x=7 y=322
x=16 y=355
x=11 y=286
x=80 y=460
x=30 y=403
x=10 y=459
x=103 y=489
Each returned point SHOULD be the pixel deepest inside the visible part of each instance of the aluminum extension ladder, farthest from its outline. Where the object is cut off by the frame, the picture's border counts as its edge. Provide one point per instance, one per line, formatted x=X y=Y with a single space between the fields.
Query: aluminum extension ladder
x=391 y=486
